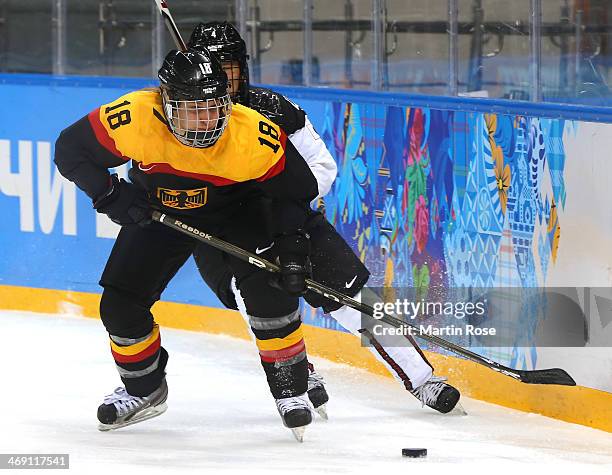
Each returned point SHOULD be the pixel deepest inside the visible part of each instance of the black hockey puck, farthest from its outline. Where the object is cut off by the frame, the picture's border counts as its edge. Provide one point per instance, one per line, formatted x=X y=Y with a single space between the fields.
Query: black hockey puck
x=414 y=453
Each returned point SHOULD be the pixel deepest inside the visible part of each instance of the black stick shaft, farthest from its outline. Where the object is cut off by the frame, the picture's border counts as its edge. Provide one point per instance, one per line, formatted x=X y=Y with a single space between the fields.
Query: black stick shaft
x=164 y=10
x=545 y=376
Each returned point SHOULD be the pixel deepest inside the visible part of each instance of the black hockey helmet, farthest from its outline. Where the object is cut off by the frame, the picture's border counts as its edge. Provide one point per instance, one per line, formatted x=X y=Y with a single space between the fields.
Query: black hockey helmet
x=195 y=97
x=224 y=40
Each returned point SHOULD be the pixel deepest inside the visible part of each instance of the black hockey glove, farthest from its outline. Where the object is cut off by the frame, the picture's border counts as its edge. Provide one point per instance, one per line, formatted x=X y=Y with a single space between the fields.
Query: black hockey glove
x=294 y=262
x=124 y=203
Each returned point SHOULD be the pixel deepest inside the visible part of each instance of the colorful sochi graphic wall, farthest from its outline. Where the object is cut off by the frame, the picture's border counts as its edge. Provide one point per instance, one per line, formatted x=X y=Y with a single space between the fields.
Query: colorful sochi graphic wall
x=427 y=197
x=442 y=198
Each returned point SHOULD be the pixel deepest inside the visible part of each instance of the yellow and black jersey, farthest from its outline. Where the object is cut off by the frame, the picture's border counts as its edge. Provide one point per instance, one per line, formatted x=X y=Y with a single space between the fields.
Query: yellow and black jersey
x=133 y=127
x=253 y=155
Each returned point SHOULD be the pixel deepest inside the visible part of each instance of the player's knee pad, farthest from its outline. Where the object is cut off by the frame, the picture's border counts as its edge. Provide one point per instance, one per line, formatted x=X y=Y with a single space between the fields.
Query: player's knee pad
x=125 y=315
x=216 y=272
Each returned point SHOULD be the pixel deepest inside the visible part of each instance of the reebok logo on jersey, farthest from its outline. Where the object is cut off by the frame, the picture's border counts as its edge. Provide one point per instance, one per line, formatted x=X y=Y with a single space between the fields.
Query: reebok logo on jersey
x=183 y=199
x=349 y=284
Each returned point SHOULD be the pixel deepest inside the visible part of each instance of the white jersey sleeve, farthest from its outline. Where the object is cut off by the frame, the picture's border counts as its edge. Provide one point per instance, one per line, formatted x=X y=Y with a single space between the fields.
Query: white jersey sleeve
x=310 y=145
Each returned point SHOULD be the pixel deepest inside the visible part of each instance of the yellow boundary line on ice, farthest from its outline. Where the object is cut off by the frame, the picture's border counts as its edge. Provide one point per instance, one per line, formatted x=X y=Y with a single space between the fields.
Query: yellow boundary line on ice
x=580 y=405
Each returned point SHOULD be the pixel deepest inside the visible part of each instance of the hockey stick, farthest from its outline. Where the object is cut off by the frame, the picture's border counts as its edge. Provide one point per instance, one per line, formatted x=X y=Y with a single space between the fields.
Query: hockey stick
x=171 y=25
x=540 y=376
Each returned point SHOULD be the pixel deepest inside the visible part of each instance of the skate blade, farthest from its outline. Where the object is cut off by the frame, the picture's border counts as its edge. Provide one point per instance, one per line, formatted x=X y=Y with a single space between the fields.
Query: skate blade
x=458 y=410
x=322 y=411
x=298 y=433
x=149 y=413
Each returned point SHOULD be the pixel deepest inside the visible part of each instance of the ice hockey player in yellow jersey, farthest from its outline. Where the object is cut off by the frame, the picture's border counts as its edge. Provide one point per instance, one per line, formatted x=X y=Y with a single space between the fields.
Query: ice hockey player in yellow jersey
x=223 y=168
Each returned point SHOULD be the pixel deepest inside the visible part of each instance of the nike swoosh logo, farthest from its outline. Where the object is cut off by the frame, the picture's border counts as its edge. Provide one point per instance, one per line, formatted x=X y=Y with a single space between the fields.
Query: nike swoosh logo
x=146 y=169
x=259 y=251
x=349 y=284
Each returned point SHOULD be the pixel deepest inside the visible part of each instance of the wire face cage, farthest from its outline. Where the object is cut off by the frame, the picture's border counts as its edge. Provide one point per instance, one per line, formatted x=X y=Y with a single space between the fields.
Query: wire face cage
x=197 y=123
x=238 y=79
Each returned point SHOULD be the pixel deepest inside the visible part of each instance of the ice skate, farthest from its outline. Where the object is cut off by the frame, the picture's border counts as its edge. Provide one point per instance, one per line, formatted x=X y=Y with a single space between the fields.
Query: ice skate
x=120 y=409
x=296 y=414
x=316 y=392
x=439 y=395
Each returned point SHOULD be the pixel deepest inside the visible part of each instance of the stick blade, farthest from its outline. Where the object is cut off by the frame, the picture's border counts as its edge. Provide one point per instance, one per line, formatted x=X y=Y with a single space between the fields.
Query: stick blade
x=547 y=376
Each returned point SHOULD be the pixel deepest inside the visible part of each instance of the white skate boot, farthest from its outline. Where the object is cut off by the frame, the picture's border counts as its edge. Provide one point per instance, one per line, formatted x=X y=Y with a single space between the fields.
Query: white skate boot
x=438 y=395
x=120 y=409
x=296 y=414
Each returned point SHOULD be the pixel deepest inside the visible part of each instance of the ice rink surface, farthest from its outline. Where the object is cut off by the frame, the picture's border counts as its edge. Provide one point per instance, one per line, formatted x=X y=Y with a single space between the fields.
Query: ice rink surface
x=222 y=419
